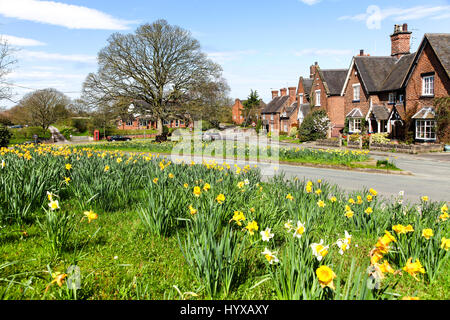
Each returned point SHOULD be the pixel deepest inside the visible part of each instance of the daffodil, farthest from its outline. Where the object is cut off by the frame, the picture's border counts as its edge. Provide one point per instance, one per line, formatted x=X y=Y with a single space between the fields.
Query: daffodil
x=270 y=256
x=252 y=227
x=368 y=211
x=197 y=191
x=445 y=244
x=288 y=226
x=318 y=191
x=325 y=276
x=192 y=210
x=3 y=164
x=220 y=198
x=49 y=196
x=68 y=166
x=369 y=198
x=185 y=185
x=54 y=204
x=413 y=268
x=385 y=267
x=351 y=201
x=427 y=233
x=333 y=199
x=266 y=235
x=67 y=180
x=425 y=198
x=171 y=176
x=349 y=214
x=106 y=168
x=299 y=230
x=91 y=215
x=289 y=197
x=373 y=192
x=155 y=180
x=319 y=250
x=238 y=217
x=321 y=203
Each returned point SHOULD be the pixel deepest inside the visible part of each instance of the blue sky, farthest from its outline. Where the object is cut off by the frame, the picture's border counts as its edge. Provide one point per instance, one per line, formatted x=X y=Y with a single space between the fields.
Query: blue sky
x=261 y=44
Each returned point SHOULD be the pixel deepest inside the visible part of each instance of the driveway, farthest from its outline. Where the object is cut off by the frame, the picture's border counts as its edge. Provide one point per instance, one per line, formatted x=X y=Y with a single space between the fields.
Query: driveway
x=56 y=135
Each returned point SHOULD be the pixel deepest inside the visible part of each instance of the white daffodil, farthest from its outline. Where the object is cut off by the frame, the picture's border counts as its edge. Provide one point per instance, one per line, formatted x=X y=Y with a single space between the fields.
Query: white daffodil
x=288 y=226
x=266 y=235
x=344 y=244
x=299 y=230
x=54 y=205
x=270 y=256
x=246 y=182
x=3 y=164
x=319 y=250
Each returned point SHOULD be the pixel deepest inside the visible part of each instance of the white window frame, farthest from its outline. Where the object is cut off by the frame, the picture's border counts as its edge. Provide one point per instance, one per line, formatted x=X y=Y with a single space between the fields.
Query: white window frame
x=264 y=117
x=354 y=125
x=401 y=98
x=426 y=129
x=129 y=123
x=285 y=128
x=317 y=97
x=301 y=98
x=356 y=92
x=428 y=85
x=271 y=116
x=392 y=97
x=143 y=123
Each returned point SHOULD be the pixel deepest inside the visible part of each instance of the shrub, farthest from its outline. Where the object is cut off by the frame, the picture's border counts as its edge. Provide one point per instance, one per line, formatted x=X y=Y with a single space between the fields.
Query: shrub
x=293 y=133
x=314 y=126
x=354 y=137
x=80 y=124
x=5 y=136
x=380 y=138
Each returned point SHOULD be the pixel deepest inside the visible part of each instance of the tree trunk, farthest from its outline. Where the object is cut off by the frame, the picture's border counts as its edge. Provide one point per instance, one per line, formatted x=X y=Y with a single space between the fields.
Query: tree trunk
x=159 y=126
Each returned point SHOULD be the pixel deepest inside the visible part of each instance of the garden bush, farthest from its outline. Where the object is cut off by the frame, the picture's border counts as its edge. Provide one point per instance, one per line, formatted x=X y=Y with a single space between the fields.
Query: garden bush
x=314 y=126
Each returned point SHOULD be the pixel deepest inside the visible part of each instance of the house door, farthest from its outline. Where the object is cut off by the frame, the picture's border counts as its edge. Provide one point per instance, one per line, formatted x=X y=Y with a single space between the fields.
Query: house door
x=397 y=129
x=374 y=125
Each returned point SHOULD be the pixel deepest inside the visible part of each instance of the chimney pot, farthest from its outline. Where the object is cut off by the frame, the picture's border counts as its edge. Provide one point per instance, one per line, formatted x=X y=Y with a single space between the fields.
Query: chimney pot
x=361 y=52
x=274 y=94
x=405 y=27
x=283 y=92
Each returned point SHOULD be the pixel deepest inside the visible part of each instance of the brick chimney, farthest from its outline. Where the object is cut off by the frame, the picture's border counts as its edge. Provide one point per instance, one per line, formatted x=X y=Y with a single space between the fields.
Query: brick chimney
x=283 y=92
x=312 y=70
x=400 y=41
x=292 y=95
x=274 y=94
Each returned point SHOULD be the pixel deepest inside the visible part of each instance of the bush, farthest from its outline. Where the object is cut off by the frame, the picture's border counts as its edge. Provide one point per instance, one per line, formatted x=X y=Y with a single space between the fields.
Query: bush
x=314 y=126
x=80 y=124
x=5 y=136
x=380 y=138
x=293 y=133
x=354 y=137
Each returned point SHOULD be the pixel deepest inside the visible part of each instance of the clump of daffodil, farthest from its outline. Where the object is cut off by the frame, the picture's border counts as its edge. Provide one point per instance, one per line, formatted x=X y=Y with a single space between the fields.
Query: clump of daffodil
x=325 y=276
x=270 y=256
x=238 y=217
x=266 y=235
x=427 y=233
x=401 y=229
x=413 y=268
x=252 y=227
x=373 y=192
x=289 y=197
x=206 y=187
x=368 y=211
x=91 y=215
x=220 y=198
x=319 y=250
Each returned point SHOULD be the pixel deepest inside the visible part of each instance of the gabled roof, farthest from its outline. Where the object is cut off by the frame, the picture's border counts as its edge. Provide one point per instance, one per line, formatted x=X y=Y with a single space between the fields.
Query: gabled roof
x=399 y=71
x=290 y=110
x=305 y=109
x=374 y=70
x=440 y=42
x=355 y=113
x=333 y=79
x=274 y=105
x=307 y=84
x=425 y=113
x=381 y=112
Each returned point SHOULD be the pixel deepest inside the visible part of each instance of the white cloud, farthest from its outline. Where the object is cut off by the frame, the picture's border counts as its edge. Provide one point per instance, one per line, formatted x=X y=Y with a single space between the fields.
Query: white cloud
x=374 y=15
x=61 y=14
x=323 y=52
x=22 y=42
x=310 y=2
x=41 y=55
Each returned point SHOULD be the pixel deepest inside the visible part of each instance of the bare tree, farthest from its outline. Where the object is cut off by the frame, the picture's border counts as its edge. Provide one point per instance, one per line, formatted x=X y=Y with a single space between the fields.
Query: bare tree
x=6 y=63
x=43 y=107
x=158 y=64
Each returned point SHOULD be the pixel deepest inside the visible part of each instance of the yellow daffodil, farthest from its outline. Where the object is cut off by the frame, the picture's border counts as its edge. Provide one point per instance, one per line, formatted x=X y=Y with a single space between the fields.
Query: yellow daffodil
x=192 y=211
x=49 y=196
x=321 y=203
x=240 y=184
x=349 y=214
x=197 y=191
x=171 y=176
x=308 y=189
x=413 y=268
x=410 y=298
x=444 y=216
x=220 y=198
x=325 y=276
x=289 y=197
x=155 y=180
x=385 y=267
x=444 y=209
x=238 y=217
x=252 y=227
x=318 y=191
x=206 y=187
x=368 y=211
x=373 y=192
x=445 y=244
x=91 y=215
x=427 y=233
x=425 y=198
x=333 y=199
x=106 y=168
x=185 y=185
x=67 y=180
x=68 y=166
x=351 y=201
x=369 y=198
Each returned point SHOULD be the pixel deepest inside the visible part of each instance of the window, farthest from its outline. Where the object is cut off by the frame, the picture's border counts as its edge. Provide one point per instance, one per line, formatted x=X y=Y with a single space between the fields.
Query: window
x=301 y=98
x=354 y=125
x=401 y=98
x=271 y=117
x=285 y=128
x=392 y=97
x=129 y=122
x=177 y=123
x=428 y=86
x=143 y=123
x=356 y=89
x=264 y=117
x=317 y=98
x=425 y=129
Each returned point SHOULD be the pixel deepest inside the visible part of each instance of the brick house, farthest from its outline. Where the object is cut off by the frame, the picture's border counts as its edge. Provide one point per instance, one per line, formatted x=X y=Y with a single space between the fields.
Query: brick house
x=386 y=91
x=325 y=93
x=303 y=95
x=277 y=110
x=136 y=121
x=237 y=111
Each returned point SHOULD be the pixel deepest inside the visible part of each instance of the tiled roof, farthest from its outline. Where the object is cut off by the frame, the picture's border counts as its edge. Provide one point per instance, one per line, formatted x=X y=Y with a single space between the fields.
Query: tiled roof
x=334 y=79
x=398 y=73
x=305 y=109
x=440 y=42
x=307 y=84
x=374 y=70
x=380 y=112
x=274 y=105
x=355 y=113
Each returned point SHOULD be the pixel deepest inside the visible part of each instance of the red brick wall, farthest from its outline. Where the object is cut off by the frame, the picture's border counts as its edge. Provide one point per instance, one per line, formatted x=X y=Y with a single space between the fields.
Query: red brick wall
x=336 y=114
x=236 y=111
x=318 y=85
x=427 y=62
x=363 y=103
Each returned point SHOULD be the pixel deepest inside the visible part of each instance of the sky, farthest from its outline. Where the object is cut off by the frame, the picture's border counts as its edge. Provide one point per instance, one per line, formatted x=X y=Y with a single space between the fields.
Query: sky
x=262 y=45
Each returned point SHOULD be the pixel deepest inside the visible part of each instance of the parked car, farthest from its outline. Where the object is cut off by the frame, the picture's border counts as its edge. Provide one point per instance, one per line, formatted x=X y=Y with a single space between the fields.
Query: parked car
x=118 y=138
x=211 y=136
x=16 y=126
